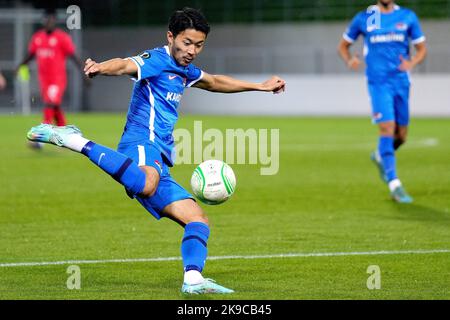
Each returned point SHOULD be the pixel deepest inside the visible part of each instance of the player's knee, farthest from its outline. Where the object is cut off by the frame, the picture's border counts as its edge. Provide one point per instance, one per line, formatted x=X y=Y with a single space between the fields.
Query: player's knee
x=151 y=181
x=151 y=184
x=387 y=130
x=149 y=190
x=197 y=215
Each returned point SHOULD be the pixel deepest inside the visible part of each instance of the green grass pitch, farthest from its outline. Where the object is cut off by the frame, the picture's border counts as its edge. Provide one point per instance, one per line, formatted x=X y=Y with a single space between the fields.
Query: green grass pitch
x=326 y=198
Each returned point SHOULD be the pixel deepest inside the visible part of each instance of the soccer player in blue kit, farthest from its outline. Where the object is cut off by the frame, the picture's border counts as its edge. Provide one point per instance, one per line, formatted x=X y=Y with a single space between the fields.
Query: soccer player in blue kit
x=387 y=55
x=145 y=151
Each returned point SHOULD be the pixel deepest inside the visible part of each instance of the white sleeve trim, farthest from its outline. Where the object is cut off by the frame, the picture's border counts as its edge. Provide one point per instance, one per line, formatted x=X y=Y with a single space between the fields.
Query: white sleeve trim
x=418 y=40
x=190 y=84
x=347 y=38
x=139 y=69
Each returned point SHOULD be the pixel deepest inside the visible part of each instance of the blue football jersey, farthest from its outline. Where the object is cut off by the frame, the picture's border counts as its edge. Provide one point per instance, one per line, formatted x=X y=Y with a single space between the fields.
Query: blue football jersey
x=157 y=92
x=385 y=41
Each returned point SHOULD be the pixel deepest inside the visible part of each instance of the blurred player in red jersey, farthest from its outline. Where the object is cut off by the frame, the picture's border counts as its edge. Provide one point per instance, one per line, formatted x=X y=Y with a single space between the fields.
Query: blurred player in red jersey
x=51 y=46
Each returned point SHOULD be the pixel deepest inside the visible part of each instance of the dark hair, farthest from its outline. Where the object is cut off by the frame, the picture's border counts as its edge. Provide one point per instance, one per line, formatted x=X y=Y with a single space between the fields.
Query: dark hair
x=188 y=18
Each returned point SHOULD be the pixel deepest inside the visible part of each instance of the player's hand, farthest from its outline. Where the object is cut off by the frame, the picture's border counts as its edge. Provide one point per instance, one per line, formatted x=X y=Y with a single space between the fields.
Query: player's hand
x=354 y=62
x=405 y=65
x=274 y=84
x=91 y=68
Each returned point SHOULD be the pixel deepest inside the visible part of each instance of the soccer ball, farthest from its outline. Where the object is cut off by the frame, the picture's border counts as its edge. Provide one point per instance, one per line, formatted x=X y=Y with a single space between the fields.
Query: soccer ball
x=213 y=182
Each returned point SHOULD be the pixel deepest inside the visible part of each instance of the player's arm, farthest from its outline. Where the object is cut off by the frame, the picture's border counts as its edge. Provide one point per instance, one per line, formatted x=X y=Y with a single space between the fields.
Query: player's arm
x=27 y=59
x=113 y=67
x=350 y=35
x=418 y=58
x=418 y=40
x=226 y=84
x=352 y=61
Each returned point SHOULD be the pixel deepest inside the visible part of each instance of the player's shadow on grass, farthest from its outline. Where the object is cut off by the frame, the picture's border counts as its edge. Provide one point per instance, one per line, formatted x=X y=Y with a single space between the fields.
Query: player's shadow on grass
x=422 y=213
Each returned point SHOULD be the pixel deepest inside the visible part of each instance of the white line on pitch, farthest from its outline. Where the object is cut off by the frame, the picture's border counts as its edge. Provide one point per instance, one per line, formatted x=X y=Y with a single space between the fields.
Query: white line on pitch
x=269 y=256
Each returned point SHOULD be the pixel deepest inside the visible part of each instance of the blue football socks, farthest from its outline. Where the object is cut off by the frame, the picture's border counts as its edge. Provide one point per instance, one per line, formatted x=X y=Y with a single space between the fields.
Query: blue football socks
x=387 y=153
x=120 y=167
x=194 y=246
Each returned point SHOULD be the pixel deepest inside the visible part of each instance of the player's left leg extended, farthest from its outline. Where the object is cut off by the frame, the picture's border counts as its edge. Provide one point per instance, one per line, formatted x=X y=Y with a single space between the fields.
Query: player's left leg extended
x=119 y=166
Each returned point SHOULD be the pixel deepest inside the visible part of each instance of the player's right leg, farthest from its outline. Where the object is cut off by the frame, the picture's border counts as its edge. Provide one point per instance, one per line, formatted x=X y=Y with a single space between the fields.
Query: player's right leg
x=119 y=166
x=172 y=201
x=194 y=251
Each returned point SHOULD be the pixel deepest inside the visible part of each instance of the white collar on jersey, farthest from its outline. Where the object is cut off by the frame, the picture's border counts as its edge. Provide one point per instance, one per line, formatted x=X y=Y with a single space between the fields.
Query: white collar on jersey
x=167 y=50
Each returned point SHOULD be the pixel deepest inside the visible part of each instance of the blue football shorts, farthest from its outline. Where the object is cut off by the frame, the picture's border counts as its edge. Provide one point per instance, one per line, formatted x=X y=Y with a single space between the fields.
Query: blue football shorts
x=168 y=190
x=390 y=101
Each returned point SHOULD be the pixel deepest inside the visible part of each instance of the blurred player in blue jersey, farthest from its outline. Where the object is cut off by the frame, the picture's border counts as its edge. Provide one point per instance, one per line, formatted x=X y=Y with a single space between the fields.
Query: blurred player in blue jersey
x=145 y=151
x=388 y=31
